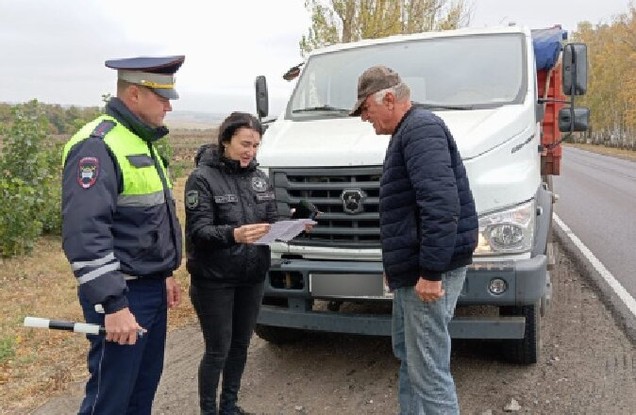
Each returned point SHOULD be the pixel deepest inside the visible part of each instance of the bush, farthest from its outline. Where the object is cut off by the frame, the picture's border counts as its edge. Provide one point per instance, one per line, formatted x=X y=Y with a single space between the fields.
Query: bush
x=22 y=151
x=19 y=226
x=30 y=185
x=50 y=195
x=30 y=167
x=167 y=154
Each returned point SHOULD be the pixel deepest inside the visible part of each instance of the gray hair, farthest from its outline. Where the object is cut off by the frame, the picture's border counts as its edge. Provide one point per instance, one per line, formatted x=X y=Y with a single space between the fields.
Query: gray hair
x=401 y=92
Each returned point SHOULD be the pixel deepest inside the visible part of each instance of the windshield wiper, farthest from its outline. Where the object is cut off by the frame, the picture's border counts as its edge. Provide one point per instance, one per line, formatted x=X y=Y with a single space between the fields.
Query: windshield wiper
x=436 y=106
x=323 y=108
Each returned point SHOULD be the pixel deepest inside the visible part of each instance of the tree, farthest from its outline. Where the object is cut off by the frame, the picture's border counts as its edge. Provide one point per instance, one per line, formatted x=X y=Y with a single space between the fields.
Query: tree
x=343 y=21
x=611 y=95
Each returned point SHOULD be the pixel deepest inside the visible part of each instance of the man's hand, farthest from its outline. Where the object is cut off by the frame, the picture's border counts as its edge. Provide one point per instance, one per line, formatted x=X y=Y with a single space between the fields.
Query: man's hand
x=429 y=290
x=248 y=234
x=385 y=282
x=121 y=327
x=174 y=292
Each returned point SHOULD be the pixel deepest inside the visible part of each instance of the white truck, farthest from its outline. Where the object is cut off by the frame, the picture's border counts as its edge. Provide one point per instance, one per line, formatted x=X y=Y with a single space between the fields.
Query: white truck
x=500 y=92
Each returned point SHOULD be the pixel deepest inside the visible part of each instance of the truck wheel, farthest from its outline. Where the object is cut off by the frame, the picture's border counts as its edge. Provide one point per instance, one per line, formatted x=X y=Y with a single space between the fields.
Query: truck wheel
x=278 y=335
x=527 y=350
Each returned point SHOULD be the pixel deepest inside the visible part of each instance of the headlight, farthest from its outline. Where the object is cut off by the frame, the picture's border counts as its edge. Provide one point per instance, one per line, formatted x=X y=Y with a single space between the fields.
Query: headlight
x=507 y=231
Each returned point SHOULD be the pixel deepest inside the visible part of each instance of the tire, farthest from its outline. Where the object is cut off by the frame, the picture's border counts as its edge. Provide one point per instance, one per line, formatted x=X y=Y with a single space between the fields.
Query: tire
x=527 y=350
x=278 y=335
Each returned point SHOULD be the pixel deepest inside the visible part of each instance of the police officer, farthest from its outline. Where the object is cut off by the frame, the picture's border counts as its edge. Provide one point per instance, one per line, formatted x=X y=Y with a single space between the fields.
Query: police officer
x=122 y=237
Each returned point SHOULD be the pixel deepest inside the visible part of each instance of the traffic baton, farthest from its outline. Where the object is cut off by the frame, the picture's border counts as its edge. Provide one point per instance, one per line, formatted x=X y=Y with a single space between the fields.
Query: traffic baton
x=76 y=327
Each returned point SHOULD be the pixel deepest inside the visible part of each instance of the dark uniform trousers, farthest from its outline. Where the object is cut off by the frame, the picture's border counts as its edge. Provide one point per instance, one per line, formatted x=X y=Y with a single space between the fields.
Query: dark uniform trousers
x=126 y=370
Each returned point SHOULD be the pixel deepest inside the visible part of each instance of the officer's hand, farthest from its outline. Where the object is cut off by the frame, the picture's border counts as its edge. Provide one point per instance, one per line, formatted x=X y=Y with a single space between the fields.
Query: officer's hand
x=121 y=327
x=429 y=290
x=248 y=234
x=174 y=292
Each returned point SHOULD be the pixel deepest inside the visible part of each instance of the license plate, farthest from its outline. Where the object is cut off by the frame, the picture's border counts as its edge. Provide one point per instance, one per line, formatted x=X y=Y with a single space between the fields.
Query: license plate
x=365 y=286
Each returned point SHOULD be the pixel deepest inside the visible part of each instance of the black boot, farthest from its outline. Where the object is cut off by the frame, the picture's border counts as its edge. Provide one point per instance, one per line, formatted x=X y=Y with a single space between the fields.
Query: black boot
x=228 y=405
x=231 y=384
x=237 y=410
x=234 y=409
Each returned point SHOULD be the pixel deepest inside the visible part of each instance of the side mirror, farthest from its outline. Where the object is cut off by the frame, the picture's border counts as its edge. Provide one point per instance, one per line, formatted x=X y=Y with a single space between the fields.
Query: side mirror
x=574 y=119
x=262 y=99
x=575 y=69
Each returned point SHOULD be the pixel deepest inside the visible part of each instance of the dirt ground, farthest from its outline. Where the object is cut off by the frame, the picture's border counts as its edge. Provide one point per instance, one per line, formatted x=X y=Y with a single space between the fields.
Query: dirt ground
x=588 y=366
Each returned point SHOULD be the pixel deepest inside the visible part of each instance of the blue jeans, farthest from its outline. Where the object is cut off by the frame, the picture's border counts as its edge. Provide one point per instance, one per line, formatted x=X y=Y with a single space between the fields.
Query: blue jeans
x=124 y=378
x=422 y=344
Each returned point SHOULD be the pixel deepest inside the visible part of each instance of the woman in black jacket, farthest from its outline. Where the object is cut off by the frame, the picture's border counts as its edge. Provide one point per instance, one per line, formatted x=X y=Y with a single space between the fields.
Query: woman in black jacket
x=229 y=205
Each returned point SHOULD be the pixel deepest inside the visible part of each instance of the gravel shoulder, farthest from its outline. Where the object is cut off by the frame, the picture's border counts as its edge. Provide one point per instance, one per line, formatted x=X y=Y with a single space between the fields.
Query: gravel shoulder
x=588 y=366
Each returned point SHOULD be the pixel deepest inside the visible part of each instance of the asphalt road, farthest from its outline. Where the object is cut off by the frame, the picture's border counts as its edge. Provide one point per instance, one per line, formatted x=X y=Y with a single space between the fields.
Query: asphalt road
x=597 y=200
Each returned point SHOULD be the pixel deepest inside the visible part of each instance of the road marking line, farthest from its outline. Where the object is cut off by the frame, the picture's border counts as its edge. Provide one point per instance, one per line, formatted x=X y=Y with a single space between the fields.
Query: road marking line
x=622 y=293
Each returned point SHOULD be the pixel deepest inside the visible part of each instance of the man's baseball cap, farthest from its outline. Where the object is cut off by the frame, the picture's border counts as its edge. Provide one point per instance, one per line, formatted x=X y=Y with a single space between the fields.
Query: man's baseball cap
x=156 y=73
x=374 y=79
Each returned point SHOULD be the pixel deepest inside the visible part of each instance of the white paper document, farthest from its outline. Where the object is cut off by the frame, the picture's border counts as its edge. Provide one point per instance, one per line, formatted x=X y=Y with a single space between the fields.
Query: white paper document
x=284 y=230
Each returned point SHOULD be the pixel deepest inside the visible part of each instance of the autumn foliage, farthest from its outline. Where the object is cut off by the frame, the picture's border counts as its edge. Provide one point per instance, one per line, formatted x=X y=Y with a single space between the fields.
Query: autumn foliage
x=342 y=21
x=611 y=95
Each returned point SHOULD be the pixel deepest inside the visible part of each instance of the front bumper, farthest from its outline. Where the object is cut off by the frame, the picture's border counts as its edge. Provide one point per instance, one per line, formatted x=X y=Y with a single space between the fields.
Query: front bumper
x=301 y=282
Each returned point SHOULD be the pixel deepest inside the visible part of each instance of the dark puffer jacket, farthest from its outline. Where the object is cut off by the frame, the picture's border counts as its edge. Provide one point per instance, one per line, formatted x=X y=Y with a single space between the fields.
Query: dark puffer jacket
x=219 y=197
x=428 y=221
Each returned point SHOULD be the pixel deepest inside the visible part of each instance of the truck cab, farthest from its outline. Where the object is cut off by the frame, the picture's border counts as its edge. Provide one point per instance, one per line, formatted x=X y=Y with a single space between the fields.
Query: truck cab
x=500 y=104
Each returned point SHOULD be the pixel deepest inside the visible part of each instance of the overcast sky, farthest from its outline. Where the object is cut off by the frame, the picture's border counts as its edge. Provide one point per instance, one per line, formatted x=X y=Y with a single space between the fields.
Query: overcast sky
x=54 y=51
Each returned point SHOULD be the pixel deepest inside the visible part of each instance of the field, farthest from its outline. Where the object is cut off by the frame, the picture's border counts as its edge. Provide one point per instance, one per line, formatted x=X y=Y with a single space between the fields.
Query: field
x=36 y=363
x=184 y=145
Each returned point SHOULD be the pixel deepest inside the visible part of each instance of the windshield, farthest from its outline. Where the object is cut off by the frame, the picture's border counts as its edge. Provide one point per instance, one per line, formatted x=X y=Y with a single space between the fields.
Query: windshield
x=453 y=73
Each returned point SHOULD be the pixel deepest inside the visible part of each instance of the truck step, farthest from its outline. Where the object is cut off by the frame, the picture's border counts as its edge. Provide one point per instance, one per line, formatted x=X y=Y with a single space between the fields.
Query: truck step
x=551 y=256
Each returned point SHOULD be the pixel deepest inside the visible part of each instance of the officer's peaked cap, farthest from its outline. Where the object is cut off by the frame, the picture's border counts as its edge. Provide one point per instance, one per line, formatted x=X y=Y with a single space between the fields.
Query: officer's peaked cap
x=156 y=73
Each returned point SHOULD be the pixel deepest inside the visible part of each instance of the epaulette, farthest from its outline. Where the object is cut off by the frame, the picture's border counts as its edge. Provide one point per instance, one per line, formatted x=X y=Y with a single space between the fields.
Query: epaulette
x=103 y=128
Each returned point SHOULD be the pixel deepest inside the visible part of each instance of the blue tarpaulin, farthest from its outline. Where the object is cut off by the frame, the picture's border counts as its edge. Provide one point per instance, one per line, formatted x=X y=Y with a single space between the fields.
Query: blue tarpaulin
x=547 y=45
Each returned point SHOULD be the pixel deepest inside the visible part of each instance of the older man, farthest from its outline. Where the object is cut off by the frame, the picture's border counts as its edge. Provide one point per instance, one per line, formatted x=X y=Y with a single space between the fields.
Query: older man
x=428 y=228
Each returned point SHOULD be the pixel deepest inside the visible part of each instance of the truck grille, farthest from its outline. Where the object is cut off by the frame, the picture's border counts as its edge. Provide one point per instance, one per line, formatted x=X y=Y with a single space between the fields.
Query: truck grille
x=347 y=198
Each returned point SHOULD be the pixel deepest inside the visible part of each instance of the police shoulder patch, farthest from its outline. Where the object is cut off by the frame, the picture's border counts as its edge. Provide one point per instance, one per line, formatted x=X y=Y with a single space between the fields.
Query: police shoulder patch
x=259 y=184
x=192 y=199
x=87 y=171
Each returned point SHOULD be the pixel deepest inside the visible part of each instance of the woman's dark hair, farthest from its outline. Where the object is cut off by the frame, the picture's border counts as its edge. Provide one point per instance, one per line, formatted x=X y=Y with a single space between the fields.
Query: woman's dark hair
x=233 y=122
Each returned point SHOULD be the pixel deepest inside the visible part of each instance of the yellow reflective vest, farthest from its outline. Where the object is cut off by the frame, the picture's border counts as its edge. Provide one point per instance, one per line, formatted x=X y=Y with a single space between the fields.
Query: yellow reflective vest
x=118 y=211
